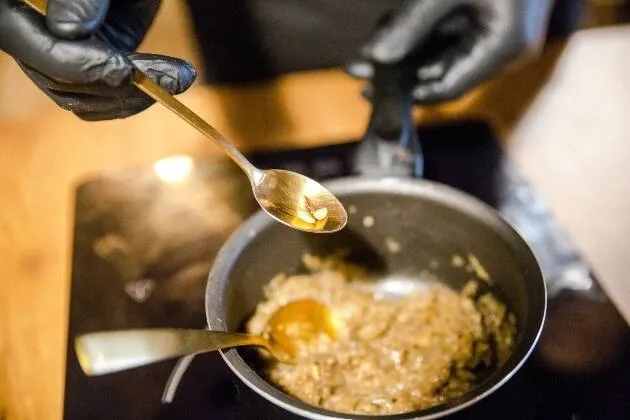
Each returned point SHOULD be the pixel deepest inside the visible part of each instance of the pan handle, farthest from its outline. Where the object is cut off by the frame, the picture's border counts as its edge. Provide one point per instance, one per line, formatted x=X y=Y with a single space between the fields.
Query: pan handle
x=391 y=146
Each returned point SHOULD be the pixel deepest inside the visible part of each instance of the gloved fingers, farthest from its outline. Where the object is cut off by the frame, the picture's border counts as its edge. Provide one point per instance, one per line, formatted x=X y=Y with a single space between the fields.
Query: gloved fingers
x=430 y=72
x=450 y=31
x=434 y=71
x=94 y=103
x=82 y=100
x=24 y=36
x=125 y=27
x=105 y=116
x=459 y=72
x=360 y=66
x=173 y=74
x=443 y=59
x=46 y=83
x=81 y=103
x=75 y=19
x=128 y=22
x=408 y=28
x=100 y=108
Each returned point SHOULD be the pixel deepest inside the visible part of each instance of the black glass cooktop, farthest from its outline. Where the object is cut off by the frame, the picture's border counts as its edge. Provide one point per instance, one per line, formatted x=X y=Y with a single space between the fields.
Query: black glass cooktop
x=144 y=243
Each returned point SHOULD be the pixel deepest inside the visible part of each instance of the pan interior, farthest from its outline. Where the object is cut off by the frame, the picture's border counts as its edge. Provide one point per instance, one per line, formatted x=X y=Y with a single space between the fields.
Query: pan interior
x=406 y=240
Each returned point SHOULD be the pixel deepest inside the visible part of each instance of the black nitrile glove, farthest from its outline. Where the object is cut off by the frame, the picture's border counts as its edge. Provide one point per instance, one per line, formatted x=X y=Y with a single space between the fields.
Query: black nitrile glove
x=90 y=76
x=463 y=42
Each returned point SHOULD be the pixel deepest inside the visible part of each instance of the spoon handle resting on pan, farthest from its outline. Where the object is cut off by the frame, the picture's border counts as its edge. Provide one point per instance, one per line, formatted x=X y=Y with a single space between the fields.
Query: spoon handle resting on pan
x=112 y=351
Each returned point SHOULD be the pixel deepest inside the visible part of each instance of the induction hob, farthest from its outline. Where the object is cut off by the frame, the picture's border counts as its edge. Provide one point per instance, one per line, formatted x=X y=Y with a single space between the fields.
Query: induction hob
x=143 y=247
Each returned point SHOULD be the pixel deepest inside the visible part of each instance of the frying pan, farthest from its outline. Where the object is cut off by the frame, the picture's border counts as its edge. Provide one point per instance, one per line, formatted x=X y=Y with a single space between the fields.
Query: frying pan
x=430 y=223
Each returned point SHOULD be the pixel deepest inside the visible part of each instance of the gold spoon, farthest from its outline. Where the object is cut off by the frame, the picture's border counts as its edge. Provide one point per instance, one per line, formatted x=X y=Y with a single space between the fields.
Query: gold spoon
x=288 y=330
x=284 y=195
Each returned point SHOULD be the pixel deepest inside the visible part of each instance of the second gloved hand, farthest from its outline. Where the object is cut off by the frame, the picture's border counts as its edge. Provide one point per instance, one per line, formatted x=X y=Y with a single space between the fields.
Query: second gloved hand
x=483 y=36
x=81 y=54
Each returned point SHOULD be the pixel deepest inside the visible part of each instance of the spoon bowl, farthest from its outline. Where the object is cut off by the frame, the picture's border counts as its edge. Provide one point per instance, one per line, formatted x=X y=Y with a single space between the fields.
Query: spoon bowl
x=292 y=327
x=288 y=330
x=299 y=202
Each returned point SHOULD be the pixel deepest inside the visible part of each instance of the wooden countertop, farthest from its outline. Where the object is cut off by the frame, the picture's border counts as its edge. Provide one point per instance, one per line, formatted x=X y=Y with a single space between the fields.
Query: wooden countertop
x=571 y=138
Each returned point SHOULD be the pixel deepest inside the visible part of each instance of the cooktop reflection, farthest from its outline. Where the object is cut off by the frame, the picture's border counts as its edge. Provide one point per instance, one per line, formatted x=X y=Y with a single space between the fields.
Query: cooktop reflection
x=145 y=240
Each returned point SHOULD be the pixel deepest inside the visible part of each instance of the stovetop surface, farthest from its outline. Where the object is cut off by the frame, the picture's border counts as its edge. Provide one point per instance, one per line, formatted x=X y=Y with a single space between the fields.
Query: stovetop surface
x=143 y=248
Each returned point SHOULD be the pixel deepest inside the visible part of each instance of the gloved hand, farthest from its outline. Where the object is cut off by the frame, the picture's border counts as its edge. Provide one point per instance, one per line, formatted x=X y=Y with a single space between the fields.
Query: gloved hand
x=463 y=42
x=90 y=76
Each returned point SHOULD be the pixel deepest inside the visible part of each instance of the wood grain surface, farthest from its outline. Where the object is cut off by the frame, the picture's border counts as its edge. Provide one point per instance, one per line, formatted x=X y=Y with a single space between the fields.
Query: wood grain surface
x=564 y=120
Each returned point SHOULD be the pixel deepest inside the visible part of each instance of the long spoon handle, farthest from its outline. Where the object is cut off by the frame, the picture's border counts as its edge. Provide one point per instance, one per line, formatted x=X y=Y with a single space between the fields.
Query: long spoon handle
x=155 y=91
x=112 y=351
x=148 y=86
